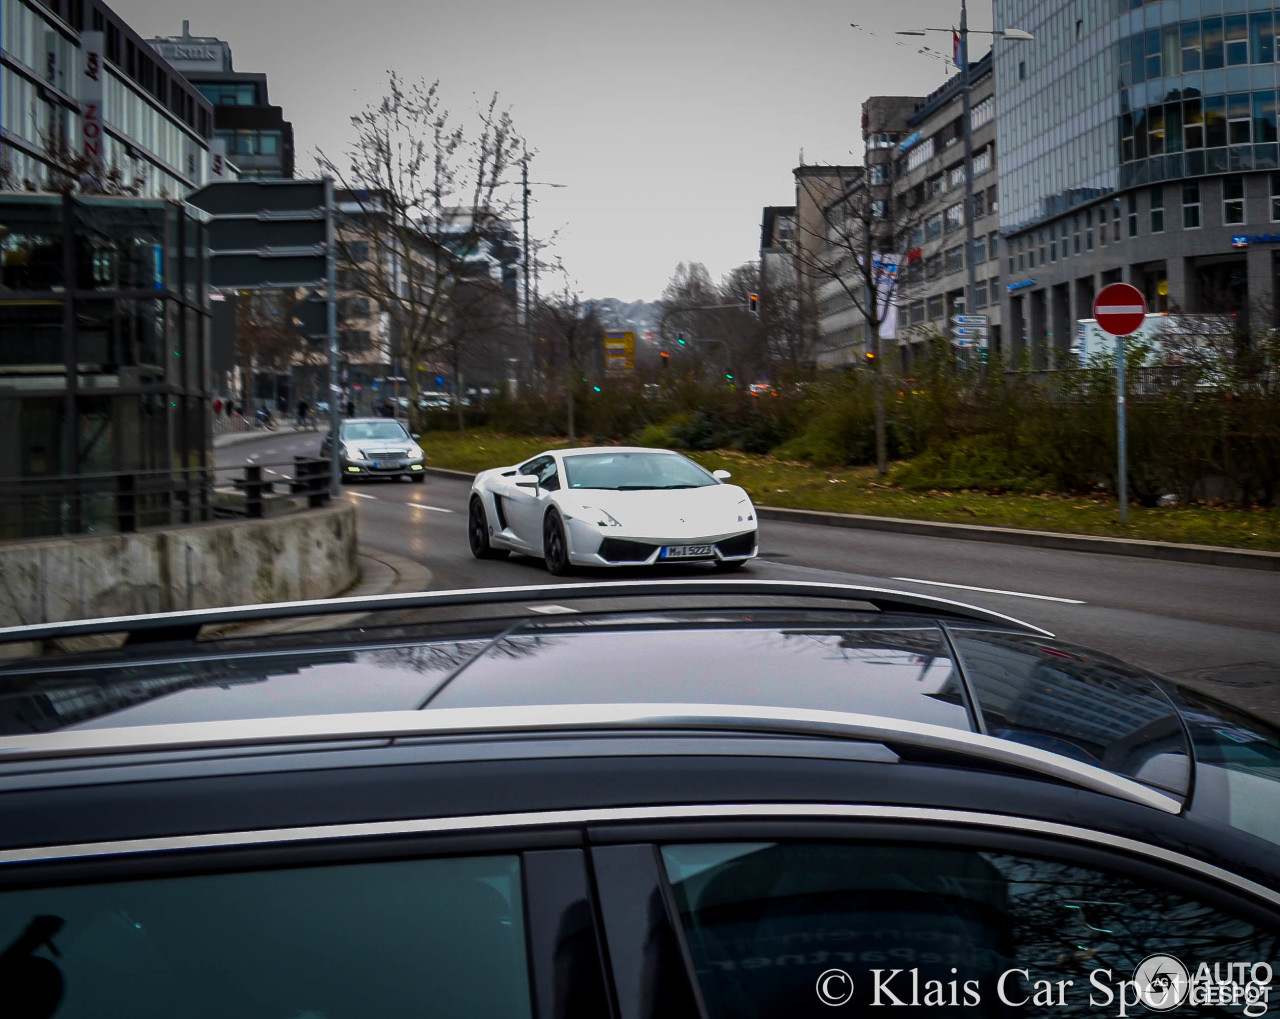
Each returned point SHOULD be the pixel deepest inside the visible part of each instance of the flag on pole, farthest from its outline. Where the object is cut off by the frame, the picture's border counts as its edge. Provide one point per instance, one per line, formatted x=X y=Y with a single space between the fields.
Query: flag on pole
x=955 y=47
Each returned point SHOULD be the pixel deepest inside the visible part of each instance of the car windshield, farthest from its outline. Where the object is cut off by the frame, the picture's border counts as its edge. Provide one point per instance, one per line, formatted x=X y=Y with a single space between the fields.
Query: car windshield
x=391 y=430
x=623 y=472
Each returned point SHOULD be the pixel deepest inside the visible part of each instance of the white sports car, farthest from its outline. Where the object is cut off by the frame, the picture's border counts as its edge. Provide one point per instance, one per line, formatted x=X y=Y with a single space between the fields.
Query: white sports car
x=611 y=506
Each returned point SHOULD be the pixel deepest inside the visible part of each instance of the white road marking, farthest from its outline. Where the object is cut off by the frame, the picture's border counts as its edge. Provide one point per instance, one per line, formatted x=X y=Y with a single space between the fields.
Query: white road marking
x=434 y=509
x=269 y=451
x=552 y=610
x=992 y=590
x=253 y=456
x=361 y=495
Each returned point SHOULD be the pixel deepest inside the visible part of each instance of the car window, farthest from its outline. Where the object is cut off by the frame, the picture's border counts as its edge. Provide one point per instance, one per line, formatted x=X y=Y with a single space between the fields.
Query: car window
x=1076 y=702
x=1237 y=765
x=784 y=930
x=441 y=937
x=639 y=470
x=533 y=466
x=374 y=430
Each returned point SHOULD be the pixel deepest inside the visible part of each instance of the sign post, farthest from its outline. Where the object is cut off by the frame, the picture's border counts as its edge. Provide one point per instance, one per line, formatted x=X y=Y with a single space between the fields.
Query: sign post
x=1120 y=310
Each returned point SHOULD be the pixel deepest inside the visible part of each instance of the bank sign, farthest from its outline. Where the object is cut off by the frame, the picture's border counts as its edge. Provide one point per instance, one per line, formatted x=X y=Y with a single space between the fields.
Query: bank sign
x=1244 y=240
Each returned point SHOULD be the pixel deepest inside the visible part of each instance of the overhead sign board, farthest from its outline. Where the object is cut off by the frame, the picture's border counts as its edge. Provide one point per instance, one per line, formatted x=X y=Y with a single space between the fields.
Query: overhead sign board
x=265 y=233
x=1120 y=309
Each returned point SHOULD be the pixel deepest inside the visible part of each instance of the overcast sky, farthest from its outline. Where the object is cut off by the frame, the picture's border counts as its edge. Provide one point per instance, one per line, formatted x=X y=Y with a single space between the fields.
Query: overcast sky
x=672 y=122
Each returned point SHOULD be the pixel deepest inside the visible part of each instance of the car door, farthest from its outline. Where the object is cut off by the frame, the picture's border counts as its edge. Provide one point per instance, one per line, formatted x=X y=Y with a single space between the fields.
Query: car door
x=771 y=920
x=524 y=508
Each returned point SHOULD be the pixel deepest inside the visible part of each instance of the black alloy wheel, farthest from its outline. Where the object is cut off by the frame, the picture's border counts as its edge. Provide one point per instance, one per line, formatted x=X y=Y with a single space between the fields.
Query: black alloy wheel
x=555 y=548
x=478 y=533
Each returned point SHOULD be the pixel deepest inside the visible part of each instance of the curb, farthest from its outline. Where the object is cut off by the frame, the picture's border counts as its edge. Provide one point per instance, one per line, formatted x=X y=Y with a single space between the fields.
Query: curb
x=1212 y=555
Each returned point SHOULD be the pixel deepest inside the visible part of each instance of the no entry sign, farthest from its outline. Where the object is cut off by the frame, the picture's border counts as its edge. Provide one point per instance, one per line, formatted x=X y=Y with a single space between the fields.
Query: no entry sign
x=1119 y=309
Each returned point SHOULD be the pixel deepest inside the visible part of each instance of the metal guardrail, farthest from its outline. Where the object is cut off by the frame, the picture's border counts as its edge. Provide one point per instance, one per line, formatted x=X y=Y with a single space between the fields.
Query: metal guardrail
x=125 y=502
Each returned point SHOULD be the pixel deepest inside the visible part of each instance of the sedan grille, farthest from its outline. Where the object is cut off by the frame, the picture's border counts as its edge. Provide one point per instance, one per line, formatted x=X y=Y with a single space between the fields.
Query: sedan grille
x=738 y=545
x=619 y=550
x=386 y=454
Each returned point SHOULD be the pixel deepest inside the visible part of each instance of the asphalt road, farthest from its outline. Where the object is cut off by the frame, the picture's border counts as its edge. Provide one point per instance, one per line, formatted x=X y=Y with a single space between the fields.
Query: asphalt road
x=1216 y=625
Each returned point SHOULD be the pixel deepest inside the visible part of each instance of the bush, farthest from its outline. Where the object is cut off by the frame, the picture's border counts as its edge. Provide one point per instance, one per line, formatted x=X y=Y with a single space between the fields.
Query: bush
x=974 y=461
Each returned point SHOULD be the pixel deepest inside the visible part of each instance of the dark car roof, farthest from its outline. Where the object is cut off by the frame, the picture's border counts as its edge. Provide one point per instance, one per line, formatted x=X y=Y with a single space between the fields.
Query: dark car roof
x=918 y=676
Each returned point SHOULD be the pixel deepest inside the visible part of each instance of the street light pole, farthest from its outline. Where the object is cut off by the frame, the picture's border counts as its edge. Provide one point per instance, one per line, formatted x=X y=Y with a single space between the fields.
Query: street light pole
x=528 y=334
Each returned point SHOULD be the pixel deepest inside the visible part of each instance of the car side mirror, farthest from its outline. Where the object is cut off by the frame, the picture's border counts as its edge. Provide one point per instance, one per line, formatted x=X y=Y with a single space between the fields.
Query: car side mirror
x=722 y=475
x=417 y=435
x=526 y=480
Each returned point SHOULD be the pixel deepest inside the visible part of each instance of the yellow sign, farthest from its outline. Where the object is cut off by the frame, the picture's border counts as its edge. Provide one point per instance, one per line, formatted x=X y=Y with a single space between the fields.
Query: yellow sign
x=1162 y=288
x=619 y=352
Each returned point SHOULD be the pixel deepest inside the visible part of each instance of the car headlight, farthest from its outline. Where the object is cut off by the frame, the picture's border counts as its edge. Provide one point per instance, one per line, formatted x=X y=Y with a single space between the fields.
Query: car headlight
x=603 y=518
x=415 y=453
x=351 y=453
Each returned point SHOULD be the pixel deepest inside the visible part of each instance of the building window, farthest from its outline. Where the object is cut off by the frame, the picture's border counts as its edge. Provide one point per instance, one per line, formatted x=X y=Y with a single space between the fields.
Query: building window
x=1133 y=215
x=1261 y=38
x=1022 y=70
x=1264 y=116
x=982 y=112
x=979 y=250
x=879 y=173
x=1088 y=229
x=1211 y=44
x=982 y=162
x=355 y=340
x=979 y=205
x=954 y=258
x=1239 y=116
x=357 y=251
x=1075 y=230
x=980 y=294
x=937 y=309
x=1190 y=204
x=917 y=313
x=920 y=154
x=1275 y=198
x=1157 y=209
x=993 y=244
x=992 y=206
x=1232 y=200
x=1191 y=46
x=933 y=267
x=933 y=227
x=954 y=217
x=1053 y=242
x=877 y=208
x=1042 y=245
x=955 y=176
x=1193 y=124
x=1115 y=219
x=1236 y=29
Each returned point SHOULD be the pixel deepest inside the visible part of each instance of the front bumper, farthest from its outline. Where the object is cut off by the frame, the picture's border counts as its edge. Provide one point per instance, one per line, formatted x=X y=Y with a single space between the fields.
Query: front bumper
x=397 y=468
x=733 y=547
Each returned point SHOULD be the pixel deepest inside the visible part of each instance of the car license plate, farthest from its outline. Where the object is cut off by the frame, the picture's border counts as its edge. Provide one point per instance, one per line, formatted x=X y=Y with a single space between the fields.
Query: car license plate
x=685 y=551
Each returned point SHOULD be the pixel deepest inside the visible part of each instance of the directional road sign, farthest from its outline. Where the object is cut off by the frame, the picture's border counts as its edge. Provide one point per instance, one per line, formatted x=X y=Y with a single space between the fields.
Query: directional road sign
x=265 y=233
x=1119 y=309
x=975 y=331
x=969 y=320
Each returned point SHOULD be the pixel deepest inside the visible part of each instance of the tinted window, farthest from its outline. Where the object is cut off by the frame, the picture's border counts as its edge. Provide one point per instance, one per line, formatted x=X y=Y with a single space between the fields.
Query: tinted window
x=893 y=924
x=1237 y=765
x=1074 y=702
x=901 y=673
x=441 y=938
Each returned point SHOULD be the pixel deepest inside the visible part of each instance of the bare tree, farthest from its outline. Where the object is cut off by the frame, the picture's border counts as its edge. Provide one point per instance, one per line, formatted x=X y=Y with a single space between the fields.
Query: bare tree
x=421 y=197
x=482 y=334
x=575 y=343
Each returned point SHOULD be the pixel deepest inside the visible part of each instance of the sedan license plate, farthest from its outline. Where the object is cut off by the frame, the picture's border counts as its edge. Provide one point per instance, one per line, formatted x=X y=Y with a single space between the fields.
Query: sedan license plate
x=685 y=551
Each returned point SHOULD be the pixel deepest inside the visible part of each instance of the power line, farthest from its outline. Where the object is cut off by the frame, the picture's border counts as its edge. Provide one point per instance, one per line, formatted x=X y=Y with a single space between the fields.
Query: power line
x=926 y=51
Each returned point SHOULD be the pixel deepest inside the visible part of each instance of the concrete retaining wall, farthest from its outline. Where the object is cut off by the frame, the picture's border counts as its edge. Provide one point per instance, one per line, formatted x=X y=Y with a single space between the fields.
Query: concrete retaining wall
x=310 y=554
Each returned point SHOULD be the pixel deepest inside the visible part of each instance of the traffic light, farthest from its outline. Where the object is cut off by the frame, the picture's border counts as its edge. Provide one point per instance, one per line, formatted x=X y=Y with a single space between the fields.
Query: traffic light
x=870 y=355
x=753 y=303
x=666 y=358
x=728 y=376
x=680 y=339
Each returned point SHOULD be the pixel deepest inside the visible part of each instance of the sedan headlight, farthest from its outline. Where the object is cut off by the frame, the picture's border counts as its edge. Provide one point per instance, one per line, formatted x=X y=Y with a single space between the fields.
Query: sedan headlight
x=603 y=518
x=351 y=453
x=415 y=453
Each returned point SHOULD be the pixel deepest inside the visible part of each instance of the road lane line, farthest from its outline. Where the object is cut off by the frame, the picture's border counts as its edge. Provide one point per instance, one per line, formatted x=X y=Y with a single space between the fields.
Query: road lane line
x=434 y=509
x=553 y=610
x=361 y=495
x=992 y=590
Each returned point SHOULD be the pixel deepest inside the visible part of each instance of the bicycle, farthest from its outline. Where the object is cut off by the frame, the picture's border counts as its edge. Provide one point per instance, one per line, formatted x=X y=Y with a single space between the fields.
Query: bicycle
x=263 y=420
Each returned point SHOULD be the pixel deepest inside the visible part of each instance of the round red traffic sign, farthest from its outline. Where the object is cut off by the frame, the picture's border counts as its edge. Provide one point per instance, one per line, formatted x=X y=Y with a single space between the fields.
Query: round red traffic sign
x=1119 y=309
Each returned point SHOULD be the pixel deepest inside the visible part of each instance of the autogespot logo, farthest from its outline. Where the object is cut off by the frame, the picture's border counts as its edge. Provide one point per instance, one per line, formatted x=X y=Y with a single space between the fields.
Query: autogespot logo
x=835 y=987
x=1161 y=982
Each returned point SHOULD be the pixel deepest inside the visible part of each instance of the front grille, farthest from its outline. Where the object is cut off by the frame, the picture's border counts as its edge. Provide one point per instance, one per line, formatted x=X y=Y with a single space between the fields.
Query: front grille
x=738 y=545
x=386 y=454
x=619 y=550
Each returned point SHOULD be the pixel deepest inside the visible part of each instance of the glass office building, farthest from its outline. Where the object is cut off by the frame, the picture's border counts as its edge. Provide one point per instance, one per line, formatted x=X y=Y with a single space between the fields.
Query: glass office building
x=104 y=361
x=1138 y=144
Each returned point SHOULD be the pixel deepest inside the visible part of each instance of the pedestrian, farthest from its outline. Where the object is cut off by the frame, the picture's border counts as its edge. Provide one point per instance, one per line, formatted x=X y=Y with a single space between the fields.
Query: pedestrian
x=350 y=409
x=302 y=413
x=282 y=405
x=388 y=409
x=217 y=407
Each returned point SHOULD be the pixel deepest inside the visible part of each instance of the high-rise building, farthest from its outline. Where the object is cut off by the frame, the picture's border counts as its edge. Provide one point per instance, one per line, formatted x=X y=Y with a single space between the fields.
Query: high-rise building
x=258 y=140
x=85 y=98
x=1138 y=144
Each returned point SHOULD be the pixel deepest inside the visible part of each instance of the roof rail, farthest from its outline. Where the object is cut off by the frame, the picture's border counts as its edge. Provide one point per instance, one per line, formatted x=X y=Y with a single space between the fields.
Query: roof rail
x=186 y=624
x=545 y=719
